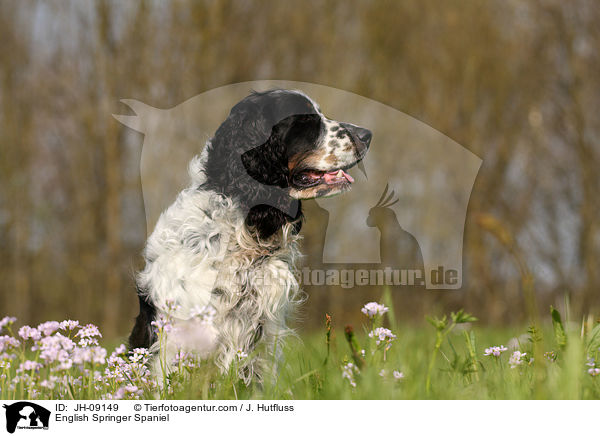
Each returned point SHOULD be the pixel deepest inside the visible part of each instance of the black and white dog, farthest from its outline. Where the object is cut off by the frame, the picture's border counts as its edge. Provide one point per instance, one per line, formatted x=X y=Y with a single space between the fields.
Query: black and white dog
x=220 y=262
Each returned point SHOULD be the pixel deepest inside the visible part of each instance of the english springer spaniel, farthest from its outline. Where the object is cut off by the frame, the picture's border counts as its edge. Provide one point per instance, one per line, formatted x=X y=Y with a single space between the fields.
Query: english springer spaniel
x=220 y=263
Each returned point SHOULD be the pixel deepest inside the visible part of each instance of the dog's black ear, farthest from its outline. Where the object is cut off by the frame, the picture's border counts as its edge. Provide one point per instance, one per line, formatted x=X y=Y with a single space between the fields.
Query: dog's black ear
x=245 y=128
x=267 y=163
x=246 y=161
x=272 y=206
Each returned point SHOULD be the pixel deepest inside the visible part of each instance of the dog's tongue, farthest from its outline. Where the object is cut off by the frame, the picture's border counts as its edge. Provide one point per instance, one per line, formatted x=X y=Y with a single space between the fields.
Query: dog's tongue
x=335 y=176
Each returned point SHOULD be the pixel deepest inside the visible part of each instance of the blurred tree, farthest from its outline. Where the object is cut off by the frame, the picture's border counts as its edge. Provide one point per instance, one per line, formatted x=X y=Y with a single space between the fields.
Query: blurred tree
x=516 y=83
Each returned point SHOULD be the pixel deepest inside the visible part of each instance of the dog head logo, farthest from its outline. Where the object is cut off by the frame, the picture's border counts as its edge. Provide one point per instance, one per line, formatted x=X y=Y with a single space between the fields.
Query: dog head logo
x=422 y=178
x=26 y=415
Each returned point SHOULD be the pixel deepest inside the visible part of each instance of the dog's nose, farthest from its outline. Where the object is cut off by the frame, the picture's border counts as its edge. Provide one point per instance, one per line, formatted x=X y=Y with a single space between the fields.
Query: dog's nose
x=363 y=136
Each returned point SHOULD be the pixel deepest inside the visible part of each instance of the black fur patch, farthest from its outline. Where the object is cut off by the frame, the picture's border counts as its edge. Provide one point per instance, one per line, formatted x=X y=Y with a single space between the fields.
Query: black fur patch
x=142 y=335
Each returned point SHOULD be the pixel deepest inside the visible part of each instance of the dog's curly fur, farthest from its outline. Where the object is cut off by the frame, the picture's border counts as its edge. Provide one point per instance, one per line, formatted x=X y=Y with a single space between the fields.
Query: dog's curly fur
x=228 y=245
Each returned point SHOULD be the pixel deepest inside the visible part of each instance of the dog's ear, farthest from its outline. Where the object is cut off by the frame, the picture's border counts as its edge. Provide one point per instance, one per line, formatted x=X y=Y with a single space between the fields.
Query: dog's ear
x=246 y=159
x=267 y=163
x=245 y=128
x=272 y=206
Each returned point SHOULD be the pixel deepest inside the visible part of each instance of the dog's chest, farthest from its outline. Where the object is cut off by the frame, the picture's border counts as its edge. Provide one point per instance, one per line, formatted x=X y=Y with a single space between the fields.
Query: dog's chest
x=256 y=277
x=244 y=287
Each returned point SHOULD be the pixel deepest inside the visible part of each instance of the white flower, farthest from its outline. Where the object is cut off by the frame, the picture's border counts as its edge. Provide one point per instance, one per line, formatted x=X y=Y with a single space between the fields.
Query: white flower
x=162 y=323
x=88 y=335
x=495 y=351
x=54 y=348
x=515 y=359
x=27 y=332
x=6 y=321
x=139 y=355
x=183 y=358
x=348 y=371
x=241 y=354
x=82 y=355
x=382 y=334
x=99 y=355
x=69 y=324
x=29 y=365
x=373 y=309
x=121 y=349
x=205 y=314
x=398 y=375
x=89 y=331
x=50 y=383
x=593 y=371
x=7 y=343
x=128 y=391
x=382 y=373
x=48 y=327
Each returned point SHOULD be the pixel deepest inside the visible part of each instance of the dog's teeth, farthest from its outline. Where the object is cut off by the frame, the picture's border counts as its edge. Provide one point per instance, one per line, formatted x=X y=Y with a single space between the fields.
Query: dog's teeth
x=340 y=174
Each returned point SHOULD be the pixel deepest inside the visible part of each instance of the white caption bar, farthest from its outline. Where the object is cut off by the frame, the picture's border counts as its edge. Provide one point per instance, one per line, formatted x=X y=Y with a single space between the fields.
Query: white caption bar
x=298 y=417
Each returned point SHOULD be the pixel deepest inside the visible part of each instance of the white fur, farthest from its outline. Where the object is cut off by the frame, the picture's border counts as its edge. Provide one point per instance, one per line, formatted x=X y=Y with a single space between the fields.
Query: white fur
x=200 y=244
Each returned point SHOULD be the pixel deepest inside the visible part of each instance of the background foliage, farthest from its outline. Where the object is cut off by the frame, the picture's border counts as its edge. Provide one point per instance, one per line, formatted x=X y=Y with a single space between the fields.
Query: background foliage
x=514 y=82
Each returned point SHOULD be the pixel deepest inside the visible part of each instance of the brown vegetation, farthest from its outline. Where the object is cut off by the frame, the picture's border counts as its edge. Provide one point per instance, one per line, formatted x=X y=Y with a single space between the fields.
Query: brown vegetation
x=516 y=83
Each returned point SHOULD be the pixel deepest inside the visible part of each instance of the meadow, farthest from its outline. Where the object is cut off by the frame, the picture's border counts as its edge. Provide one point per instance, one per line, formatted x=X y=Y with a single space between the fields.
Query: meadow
x=446 y=358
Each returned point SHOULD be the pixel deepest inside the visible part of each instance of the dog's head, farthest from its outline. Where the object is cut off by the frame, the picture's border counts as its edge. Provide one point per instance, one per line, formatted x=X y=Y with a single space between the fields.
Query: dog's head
x=313 y=152
x=280 y=139
x=284 y=140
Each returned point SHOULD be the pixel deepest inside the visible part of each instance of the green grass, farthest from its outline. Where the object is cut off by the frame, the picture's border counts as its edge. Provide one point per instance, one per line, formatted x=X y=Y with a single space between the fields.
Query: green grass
x=443 y=359
x=303 y=375
x=460 y=369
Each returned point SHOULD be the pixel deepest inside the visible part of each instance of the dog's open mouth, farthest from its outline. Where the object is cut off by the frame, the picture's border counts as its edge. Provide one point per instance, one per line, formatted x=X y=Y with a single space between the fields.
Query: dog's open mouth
x=310 y=178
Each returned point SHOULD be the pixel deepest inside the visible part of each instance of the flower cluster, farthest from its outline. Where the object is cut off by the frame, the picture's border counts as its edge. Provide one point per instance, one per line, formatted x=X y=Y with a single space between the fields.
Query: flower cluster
x=184 y=359
x=349 y=371
x=6 y=322
x=517 y=359
x=495 y=351
x=68 y=356
x=27 y=332
x=122 y=369
x=7 y=343
x=373 y=309
x=398 y=375
x=550 y=355
x=383 y=340
x=89 y=335
x=594 y=370
x=162 y=323
x=204 y=314
x=382 y=334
